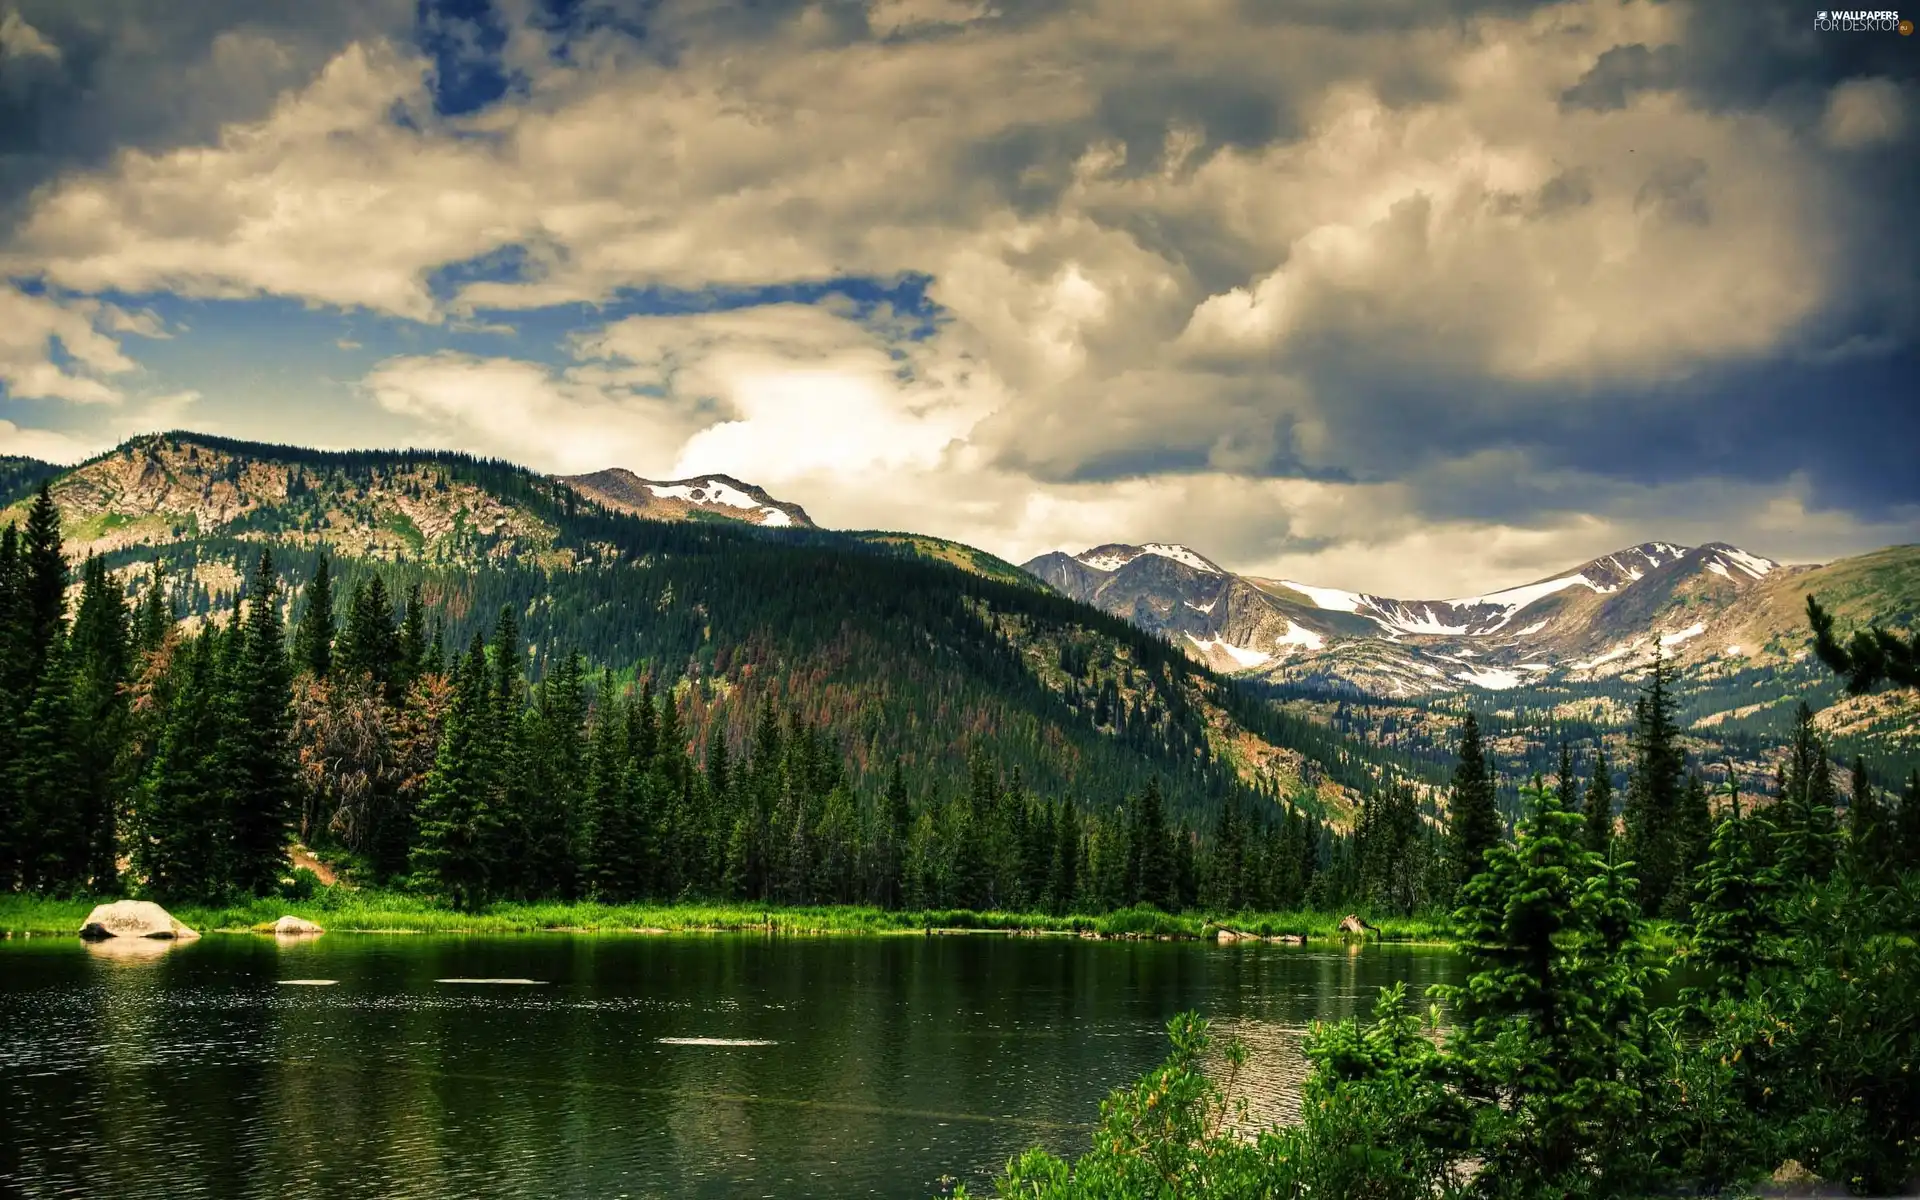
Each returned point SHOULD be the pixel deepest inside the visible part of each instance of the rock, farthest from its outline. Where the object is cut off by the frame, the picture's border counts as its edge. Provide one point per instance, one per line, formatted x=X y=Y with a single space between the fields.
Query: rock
x=132 y=919
x=1289 y=939
x=295 y=925
x=1226 y=935
x=1355 y=924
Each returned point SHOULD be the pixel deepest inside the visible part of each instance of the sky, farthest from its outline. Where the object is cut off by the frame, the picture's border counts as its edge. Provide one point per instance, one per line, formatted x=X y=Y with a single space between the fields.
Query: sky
x=1417 y=297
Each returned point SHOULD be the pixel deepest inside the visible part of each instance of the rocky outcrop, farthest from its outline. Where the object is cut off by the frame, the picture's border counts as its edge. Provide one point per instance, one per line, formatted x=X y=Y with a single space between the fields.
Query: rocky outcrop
x=133 y=919
x=294 y=927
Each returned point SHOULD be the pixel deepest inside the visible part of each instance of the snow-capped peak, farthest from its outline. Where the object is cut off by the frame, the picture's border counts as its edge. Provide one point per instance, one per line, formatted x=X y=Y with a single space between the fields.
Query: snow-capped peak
x=1112 y=557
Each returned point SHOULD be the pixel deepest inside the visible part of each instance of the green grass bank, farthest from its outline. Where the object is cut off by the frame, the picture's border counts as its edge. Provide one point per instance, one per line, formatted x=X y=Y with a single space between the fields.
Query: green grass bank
x=355 y=910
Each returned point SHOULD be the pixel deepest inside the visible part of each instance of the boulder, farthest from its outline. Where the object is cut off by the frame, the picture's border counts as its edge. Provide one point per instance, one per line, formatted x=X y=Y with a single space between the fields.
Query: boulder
x=132 y=919
x=1355 y=924
x=295 y=925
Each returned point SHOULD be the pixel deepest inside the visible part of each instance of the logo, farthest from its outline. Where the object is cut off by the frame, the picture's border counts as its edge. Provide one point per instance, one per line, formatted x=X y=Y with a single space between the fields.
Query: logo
x=1861 y=21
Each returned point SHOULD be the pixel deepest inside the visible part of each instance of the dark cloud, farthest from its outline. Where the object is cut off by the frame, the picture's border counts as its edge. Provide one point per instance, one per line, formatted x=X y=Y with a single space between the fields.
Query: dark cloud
x=1622 y=74
x=135 y=75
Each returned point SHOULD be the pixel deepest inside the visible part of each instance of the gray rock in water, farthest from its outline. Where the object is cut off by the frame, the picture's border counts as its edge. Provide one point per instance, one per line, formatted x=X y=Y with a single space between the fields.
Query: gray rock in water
x=132 y=919
x=295 y=925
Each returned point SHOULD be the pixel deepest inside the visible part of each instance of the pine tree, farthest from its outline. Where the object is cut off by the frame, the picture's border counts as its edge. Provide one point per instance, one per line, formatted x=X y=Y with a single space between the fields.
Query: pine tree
x=313 y=644
x=456 y=822
x=1473 y=815
x=49 y=776
x=1872 y=849
x=1654 y=792
x=1907 y=823
x=1567 y=784
x=370 y=645
x=102 y=666
x=1873 y=656
x=1808 y=842
x=1735 y=932
x=1068 y=851
x=44 y=587
x=1549 y=1021
x=1597 y=823
x=413 y=641
x=1149 y=853
x=183 y=807
x=262 y=750
x=156 y=613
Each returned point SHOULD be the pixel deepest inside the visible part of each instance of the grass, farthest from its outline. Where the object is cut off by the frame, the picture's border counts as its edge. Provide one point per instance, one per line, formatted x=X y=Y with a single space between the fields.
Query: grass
x=347 y=909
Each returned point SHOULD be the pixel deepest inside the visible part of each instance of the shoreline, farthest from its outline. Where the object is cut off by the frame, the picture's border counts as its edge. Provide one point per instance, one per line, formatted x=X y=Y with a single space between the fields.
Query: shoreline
x=393 y=914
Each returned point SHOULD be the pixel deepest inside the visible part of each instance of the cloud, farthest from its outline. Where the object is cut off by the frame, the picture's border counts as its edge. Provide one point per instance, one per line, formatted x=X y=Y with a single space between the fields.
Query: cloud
x=1865 y=112
x=34 y=327
x=1424 y=281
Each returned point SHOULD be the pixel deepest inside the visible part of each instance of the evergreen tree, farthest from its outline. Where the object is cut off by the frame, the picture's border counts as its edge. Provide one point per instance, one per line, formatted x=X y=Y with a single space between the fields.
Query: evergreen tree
x=1873 y=656
x=184 y=805
x=1808 y=842
x=370 y=645
x=44 y=588
x=1150 y=853
x=1473 y=814
x=456 y=821
x=1907 y=823
x=1654 y=792
x=262 y=749
x=51 y=779
x=102 y=655
x=1735 y=932
x=313 y=644
x=413 y=641
x=156 y=613
x=1550 y=1024
x=1872 y=842
x=1597 y=825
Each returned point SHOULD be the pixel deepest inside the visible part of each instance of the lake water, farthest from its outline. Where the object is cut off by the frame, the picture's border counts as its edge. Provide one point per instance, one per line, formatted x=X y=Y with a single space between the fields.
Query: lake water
x=688 y=1065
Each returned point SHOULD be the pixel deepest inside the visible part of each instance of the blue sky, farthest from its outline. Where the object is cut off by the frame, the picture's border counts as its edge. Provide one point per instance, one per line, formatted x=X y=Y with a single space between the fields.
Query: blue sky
x=1438 y=299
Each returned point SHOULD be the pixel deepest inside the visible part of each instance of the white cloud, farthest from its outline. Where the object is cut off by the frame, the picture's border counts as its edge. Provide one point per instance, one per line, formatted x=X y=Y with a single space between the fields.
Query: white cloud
x=30 y=326
x=1864 y=112
x=19 y=40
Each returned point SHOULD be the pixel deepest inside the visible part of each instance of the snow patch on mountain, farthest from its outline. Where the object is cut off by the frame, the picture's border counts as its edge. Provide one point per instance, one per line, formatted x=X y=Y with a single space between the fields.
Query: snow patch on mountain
x=711 y=491
x=1103 y=562
x=1201 y=608
x=1331 y=599
x=1536 y=627
x=1495 y=678
x=1240 y=654
x=774 y=517
x=1300 y=635
x=1620 y=650
x=1691 y=631
x=1720 y=569
x=1183 y=556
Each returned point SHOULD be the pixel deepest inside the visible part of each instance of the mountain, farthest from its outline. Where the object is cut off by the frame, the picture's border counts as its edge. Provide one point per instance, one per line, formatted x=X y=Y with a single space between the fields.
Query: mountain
x=684 y=499
x=1567 y=648
x=903 y=646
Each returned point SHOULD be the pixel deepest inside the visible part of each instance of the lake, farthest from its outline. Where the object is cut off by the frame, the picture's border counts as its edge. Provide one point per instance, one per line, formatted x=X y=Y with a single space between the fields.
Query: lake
x=683 y=1065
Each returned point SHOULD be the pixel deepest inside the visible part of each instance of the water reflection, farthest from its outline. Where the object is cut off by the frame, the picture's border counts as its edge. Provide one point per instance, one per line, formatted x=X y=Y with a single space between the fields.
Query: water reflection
x=701 y=1066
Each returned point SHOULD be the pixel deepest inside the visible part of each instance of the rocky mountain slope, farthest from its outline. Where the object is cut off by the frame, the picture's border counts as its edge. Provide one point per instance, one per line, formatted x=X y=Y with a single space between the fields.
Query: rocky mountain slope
x=1712 y=608
x=1566 y=651
x=682 y=499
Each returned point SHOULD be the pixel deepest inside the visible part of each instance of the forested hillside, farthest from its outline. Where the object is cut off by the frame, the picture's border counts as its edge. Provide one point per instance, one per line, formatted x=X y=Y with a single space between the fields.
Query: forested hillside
x=913 y=653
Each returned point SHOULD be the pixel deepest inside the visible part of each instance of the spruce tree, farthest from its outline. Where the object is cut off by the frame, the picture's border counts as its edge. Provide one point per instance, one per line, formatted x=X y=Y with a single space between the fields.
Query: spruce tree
x=413 y=641
x=1808 y=842
x=1654 y=792
x=263 y=750
x=1735 y=932
x=1907 y=823
x=50 y=777
x=44 y=586
x=102 y=652
x=156 y=612
x=313 y=643
x=456 y=825
x=1872 y=851
x=1149 y=853
x=1473 y=814
x=184 y=804
x=1597 y=812
x=14 y=835
x=1549 y=1023
x=1871 y=657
